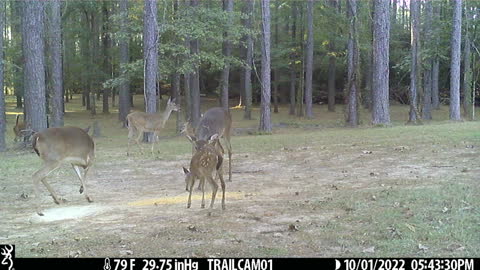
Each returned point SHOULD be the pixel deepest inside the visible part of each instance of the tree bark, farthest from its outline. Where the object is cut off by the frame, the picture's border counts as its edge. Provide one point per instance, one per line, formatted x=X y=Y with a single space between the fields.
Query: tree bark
x=124 y=88
x=381 y=39
x=16 y=22
x=293 y=56
x=249 y=61
x=455 y=61
x=415 y=61
x=34 y=70
x=107 y=44
x=276 y=75
x=436 y=62
x=227 y=51
x=265 y=119
x=195 y=78
x=467 y=72
x=332 y=60
x=309 y=61
x=352 y=65
x=57 y=67
x=427 y=77
x=150 y=58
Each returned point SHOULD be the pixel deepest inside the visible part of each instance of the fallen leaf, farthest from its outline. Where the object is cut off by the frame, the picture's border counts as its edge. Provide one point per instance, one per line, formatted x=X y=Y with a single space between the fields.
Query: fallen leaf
x=369 y=250
x=422 y=247
x=410 y=227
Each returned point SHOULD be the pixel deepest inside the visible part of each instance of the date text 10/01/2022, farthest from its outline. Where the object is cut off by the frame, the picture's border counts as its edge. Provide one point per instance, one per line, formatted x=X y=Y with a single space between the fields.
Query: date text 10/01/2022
x=405 y=264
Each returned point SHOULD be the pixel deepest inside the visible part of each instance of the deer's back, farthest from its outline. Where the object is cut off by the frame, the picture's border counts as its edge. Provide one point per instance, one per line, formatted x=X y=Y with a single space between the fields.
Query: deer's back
x=71 y=144
x=205 y=161
x=148 y=121
x=215 y=121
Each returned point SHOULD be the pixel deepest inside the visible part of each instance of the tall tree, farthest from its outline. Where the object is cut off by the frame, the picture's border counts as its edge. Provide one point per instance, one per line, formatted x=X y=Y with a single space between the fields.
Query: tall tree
x=227 y=51
x=265 y=120
x=16 y=10
x=247 y=70
x=34 y=69
x=195 y=77
x=150 y=54
x=293 y=54
x=427 y=77
x=415 y=60
x=124 y=88
x=467 y=71
x=436 y=61
x=381 y=40
x=57 y=67
x=309 y=61
x=276 y=73
x=3 y=122
x=106 y=45
x=353 y=75
x=455 y=61
x=332 y=65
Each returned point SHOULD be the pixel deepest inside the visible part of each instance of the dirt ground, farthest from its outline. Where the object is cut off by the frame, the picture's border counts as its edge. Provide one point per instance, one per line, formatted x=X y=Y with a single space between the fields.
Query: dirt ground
x=279 y=203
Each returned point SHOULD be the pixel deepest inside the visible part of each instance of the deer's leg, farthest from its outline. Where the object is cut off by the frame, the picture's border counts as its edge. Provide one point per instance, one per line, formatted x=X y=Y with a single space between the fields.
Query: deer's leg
x=40 y=175
x=131 y=133
x=214 y=189
x=154 y=138
x=229 y=149
x=202 y=183
x=222 y=184
x=83 y=187
x=137 y=140
x=189 y=203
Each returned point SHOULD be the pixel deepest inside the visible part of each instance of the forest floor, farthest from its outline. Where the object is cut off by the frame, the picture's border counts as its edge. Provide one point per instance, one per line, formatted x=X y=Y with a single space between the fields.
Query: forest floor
x=312 y=189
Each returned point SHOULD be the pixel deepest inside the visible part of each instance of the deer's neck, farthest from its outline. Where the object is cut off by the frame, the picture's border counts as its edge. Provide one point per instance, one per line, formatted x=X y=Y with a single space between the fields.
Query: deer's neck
x=165 y=117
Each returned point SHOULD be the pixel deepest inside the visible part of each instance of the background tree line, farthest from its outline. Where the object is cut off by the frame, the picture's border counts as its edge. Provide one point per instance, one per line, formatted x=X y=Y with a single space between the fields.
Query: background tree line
x=357 y=53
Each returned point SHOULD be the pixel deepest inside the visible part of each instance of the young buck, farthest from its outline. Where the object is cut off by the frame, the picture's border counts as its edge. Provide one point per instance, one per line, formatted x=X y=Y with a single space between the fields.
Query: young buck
x=140 y=122
x=62 y=144
x=215 y=121
x=18 y=128
x=205 y=164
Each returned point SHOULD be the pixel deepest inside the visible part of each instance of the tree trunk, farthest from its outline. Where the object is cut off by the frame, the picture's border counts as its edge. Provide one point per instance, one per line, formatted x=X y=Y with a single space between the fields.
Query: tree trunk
x=309 y=61
x=16 y=22
x=124 y=88
x=3 y=118
x=381 y=39
x=195 y=78
x=265 y=120
x=57 y=68
x=415 y=61
x=293 y=56
x=436 y=62
x=178 y=99
x=107 y=44
x=227 y=51
x=455 y=61
x=249 y=61
x=34 y=52
x=332 y=64
x=276 y=76
x=150 y=53
x=427 y=77
x=353 y=65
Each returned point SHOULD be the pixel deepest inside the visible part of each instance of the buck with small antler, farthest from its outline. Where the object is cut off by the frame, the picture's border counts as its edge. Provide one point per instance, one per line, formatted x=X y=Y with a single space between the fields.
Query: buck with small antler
x=204 y=165
x=18 y=128
x=215 y=121
x=62 y=144
x=140 y=122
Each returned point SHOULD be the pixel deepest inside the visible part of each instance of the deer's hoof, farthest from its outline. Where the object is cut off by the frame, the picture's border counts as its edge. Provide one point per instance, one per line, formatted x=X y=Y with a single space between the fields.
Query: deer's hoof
x=59 y=200
x=81 y=189
x=203 y=205
x=89 y=199
x=40 y=214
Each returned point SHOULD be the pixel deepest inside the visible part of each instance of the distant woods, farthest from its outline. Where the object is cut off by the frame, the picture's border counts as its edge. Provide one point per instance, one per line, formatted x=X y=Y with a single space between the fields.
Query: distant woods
x=251 y=53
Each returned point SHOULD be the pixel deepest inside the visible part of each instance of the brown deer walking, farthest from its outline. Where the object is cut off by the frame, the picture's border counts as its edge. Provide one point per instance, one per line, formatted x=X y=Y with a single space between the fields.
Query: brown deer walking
x=215 y=121
x=18 y=128
x=205 y=163
x=67 y=144
x=140 y=122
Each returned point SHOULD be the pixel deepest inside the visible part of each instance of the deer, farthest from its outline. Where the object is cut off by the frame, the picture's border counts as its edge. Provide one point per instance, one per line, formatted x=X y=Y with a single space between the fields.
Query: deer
x=18 y=128
x=140 y=122
x=62 y=144
x=218 y=121
x=205 y=163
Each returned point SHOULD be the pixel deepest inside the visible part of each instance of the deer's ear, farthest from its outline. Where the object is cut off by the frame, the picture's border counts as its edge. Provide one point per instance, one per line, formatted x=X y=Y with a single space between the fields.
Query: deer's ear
x=213 y=138
x=191 y=138
x=185 y=170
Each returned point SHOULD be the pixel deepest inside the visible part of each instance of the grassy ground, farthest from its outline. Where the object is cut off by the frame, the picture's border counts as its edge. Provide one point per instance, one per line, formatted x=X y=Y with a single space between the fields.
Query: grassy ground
x=313 y=188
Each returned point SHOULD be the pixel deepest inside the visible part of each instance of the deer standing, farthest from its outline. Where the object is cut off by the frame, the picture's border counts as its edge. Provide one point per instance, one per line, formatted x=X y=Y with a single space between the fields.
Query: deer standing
x=215 y=121
x=205 y=163
x=67 y=144
x=18 y=128
x=140 y=122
